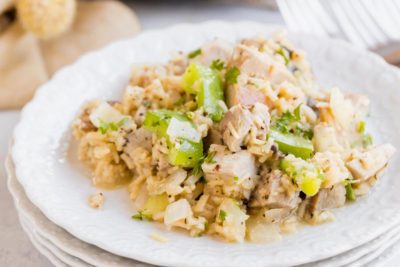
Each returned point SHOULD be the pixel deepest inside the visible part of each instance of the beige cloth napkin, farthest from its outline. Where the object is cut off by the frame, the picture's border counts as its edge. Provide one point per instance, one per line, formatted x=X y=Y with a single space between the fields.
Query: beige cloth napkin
x=27 y=62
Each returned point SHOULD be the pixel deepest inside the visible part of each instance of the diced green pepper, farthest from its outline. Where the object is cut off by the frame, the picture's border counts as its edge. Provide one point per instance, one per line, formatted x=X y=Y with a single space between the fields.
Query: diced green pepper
x=205 y=82
x=291 y=144
x=181 y=152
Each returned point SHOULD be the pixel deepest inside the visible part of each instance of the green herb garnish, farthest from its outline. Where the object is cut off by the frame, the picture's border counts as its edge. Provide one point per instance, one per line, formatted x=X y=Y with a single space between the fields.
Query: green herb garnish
x=202 y=180
x=236 y=178
x=281 y=52
x=104 y=126
x=222 y=215
x=194 y=53
x=142 y=216
x=217 y=64
x=231 y=75
x=361 y=127
x=210 y=158
x=367 y=140
x=350 y=194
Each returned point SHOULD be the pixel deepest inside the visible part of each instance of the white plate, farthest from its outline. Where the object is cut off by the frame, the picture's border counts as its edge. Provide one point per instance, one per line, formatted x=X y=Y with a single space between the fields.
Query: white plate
x=54 y=182
x=61 y=255
x=58 y=237
x=64 y=242
x=50 y=256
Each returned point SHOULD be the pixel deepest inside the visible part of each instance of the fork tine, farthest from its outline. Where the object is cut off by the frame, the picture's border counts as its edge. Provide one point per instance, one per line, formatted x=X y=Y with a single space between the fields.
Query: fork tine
x=307 y=16
x=298 y=15
x=391 y=10
x=381 y=19
x=371 y=25
x=345 y=24
x=355 y=19
x=287 y=15
x=327 y=23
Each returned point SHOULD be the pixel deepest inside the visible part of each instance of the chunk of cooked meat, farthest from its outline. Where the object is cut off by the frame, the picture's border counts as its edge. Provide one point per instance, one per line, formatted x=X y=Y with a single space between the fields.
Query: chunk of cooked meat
x=139 y=138
x=270 y=192
x=369 y=163
x=261 y=120
x=235 y=126
x=214 y=136
x=254 y=63
x=242 y=94
x=229 y=165
x=328 y=198
x=216 y=49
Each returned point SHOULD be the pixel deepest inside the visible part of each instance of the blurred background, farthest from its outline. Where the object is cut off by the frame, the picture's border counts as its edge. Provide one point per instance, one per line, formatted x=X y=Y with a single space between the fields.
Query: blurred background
x=38 y=37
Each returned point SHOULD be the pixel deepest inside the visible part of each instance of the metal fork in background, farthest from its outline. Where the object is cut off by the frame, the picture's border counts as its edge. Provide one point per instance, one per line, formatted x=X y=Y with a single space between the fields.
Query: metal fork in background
x=368 y=24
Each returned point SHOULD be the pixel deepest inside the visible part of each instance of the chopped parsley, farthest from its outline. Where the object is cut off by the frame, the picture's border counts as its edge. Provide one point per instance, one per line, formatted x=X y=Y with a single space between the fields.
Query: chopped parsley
x=222 y=215
x=361 y=127
x=210 y=157
x=142 y=216
x=194 y=53
x=236 y=178
x=104 y=126
x=290 y=122
x=350 y=194
x=231 y=75
x=281 y=51
x=202 y=180
x=197 y=169
x=217 y=64
x=367 y=140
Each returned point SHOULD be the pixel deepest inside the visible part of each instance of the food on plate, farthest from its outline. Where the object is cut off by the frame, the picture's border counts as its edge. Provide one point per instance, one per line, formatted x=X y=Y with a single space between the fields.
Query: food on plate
x=96 y=200
x=236 y=140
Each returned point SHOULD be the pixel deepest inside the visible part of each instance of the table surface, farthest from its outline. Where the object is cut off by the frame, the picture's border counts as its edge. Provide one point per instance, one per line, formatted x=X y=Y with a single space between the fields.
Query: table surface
x=15 y=247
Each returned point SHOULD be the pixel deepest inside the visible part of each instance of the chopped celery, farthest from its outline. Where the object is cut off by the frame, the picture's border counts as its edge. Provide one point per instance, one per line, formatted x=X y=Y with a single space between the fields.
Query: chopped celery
x=205 y=82
x=181 y=151
x=156 y=204
x=185 y=153
x=307 y=176
x=292 y=144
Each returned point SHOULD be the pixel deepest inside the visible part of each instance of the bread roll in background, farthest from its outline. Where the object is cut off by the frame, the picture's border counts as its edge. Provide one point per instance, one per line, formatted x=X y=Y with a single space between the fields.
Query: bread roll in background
x=5 y=5
x=26 y=61
x=96 y=24
x=22 y=68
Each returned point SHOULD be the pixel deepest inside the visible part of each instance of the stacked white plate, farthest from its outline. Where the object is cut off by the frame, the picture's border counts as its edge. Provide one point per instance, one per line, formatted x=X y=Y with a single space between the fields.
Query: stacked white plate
x=50 y=188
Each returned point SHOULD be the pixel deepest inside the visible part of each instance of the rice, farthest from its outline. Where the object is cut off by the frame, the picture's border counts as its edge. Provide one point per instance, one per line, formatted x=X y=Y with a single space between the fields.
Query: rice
x=188 y=164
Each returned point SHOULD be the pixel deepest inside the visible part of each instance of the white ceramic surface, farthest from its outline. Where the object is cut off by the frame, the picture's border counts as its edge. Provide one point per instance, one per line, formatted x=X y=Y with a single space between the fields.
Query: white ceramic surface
x=56 y=185
x=58 y=237
x=52 y=258
x=60 y=242
x=61 y=255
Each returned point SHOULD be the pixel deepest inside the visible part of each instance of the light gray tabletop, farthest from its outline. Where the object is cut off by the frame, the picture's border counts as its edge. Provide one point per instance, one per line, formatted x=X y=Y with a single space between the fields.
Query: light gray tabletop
x=15 y=248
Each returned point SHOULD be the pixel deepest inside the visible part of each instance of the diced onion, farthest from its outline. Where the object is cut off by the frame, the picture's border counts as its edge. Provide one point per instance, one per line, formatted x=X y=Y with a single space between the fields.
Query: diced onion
x=177 y=211
x=183 y=129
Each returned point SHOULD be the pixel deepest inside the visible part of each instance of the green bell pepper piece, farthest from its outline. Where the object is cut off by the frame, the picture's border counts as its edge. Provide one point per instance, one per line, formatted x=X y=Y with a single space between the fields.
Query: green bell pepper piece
x=292 y=144
x=181 y=152
x=206 y=83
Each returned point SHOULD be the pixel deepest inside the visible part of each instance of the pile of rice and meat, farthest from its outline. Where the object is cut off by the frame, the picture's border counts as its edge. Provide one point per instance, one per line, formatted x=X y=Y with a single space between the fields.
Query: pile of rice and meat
x=235 y=140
